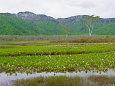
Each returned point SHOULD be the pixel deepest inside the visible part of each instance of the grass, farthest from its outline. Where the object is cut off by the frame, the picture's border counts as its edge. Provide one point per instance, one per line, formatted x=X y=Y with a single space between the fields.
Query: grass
x=22 y=42
x=86 y=40
x=34 y=56
x=103 y=80
x=54 y=49
x=18 y=38
x=66 y=81
x=49 y=81
x=56 y=57
x=57 y=63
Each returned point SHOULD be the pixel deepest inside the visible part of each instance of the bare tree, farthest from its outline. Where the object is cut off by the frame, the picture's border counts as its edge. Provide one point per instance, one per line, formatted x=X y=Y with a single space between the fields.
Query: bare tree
x=89 y=22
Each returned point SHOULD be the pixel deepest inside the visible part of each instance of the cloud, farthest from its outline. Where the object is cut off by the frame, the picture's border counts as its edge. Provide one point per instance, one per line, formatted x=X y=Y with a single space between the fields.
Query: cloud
x=82 y=4
x=61 y=8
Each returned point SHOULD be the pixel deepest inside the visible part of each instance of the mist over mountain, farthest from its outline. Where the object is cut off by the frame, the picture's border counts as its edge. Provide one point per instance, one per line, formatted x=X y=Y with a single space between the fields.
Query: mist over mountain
x=28 y=23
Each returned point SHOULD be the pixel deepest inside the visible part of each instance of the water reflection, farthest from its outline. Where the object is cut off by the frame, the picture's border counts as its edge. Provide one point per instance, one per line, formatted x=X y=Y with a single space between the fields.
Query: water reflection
x=67 y=81
x=59 y=79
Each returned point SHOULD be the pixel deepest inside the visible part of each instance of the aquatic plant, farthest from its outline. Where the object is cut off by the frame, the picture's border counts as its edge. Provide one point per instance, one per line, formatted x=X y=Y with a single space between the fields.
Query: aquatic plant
x=66 y=81
x=78 y=62
x=55 y=49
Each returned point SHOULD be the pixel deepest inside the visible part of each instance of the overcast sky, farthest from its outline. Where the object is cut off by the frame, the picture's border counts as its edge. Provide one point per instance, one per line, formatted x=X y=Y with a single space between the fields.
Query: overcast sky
x=61 y=8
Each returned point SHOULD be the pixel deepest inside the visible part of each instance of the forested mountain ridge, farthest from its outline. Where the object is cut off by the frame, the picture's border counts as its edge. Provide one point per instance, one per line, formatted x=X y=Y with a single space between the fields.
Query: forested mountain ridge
x=28 y=23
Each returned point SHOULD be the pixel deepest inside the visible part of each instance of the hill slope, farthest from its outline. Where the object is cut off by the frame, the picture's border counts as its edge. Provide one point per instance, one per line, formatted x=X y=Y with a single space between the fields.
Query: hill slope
x=108 y=29
x=11 y=25
x=28 y=23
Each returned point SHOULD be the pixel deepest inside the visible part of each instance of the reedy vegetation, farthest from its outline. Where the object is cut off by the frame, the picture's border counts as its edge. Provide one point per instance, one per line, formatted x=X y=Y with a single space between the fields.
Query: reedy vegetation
x=66 y=81
x=96 y=57
x=18 y=50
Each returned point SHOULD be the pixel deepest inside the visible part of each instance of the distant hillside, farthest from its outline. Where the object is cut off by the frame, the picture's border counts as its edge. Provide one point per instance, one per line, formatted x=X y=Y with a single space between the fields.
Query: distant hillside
x=11 y=25
x=28 y=23
x=108 y=29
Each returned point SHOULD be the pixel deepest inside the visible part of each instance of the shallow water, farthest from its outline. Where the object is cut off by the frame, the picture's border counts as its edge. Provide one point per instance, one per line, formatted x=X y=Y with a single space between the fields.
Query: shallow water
x=6 y=78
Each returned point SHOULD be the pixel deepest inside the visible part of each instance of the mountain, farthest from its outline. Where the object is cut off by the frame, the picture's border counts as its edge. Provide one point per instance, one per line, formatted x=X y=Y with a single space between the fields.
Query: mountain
x=31 y=17
x=28 y=23
x=108 y=29
x=11 y=25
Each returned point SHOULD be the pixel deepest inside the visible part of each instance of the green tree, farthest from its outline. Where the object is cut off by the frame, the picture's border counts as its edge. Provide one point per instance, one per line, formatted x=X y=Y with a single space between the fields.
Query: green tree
x=89 y=22
x=66 y=31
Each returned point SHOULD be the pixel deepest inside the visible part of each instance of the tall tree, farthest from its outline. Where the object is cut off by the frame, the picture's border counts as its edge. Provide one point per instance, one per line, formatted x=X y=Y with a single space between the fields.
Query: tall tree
x=89 y=22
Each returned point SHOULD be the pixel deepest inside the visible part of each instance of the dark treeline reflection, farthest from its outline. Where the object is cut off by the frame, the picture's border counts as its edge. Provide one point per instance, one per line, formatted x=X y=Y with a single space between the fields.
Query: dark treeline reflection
x=66 y=81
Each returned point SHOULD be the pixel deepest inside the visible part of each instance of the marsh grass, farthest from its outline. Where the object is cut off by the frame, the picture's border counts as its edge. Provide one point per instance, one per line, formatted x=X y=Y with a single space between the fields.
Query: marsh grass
x=103 y=80
x=46 y=37
x=67 y=81
x=85 y=40
x=57 y=57
x=49 y=81
x=55 y=49
x=57 y=63
x=38 y=57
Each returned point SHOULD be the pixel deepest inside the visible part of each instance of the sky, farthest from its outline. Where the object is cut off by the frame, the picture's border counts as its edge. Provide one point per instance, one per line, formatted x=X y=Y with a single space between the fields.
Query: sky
x=61 y=8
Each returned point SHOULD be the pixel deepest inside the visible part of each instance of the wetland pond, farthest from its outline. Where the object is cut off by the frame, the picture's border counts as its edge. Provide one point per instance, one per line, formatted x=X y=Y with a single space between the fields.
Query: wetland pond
x=93 y=63
x=90 y=78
